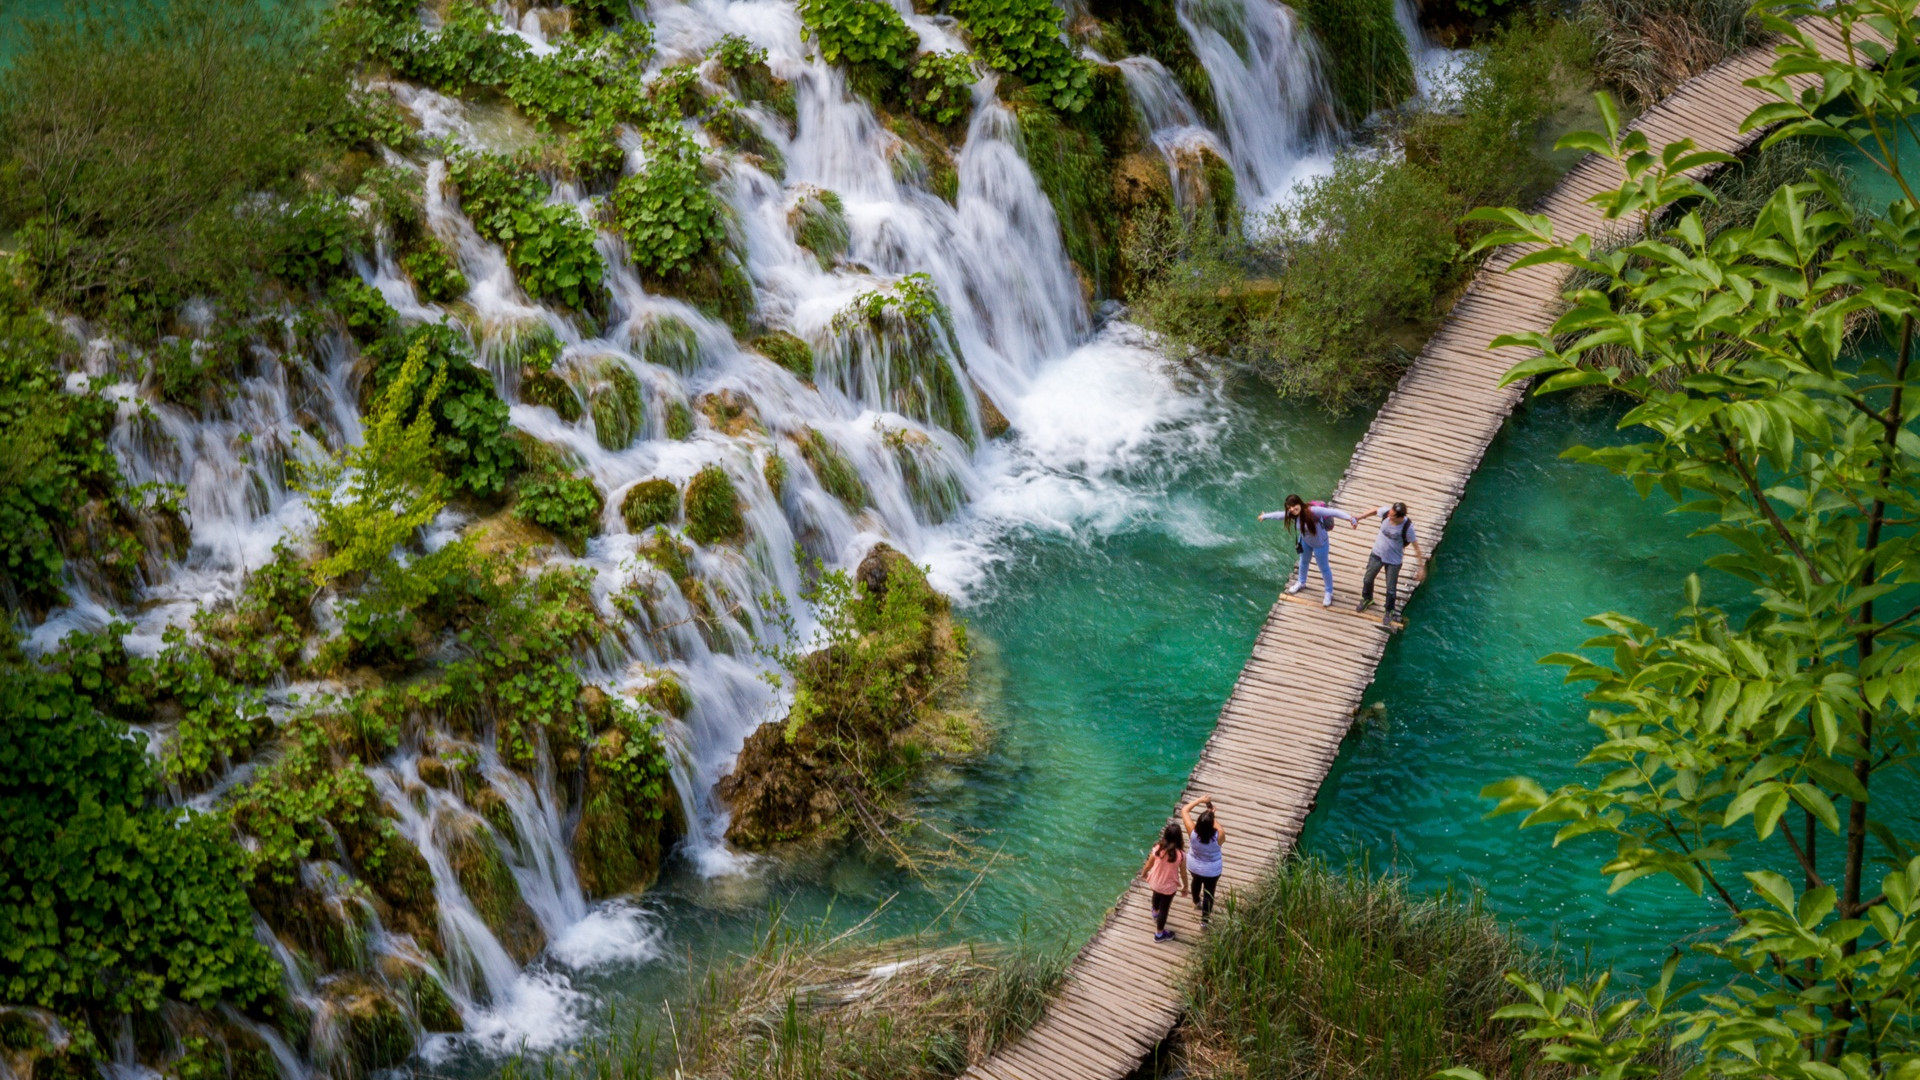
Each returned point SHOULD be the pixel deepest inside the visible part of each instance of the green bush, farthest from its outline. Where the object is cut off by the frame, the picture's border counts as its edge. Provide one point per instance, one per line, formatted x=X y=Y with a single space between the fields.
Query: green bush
x=317 y=238
x=109 y=903
x=137 y=138
x=567 y=506
x=713 y=507
x=55 y=447
x=835 y=473
x=1368 y=64
x=473 y=434
x=666 y=212
x=788 y=351
x=1023 y=37
x=735 y=53
x=858 y=32
x=549 y=244
x=649 y=503
x=360 y=305
x=434 y=272
x=942 y=88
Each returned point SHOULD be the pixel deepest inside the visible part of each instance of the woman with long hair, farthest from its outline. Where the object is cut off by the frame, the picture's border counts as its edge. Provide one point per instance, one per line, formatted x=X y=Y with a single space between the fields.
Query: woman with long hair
x=1309 y=523
x=1204 y=861
x=1165 y=871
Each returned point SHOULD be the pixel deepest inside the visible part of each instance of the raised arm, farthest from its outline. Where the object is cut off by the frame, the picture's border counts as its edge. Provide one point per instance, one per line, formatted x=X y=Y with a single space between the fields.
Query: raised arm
x=1186 y=812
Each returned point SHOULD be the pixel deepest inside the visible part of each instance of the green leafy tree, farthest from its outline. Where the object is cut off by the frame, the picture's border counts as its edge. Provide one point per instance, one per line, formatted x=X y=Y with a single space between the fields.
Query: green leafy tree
x=1752 y=756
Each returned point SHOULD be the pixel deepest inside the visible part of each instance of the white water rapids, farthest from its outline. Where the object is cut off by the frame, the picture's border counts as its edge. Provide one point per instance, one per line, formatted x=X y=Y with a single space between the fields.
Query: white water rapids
x=1086 y=405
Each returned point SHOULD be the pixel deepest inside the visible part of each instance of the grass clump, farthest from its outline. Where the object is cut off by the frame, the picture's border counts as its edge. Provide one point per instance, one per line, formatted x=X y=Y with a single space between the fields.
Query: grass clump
x=807 y=1002
x=788 y=351
x=819 y=224
x=835 y=473
x=649 y=503
x=617 y=404
x=1366 y=55
x=1345 y=976
x=713 y=507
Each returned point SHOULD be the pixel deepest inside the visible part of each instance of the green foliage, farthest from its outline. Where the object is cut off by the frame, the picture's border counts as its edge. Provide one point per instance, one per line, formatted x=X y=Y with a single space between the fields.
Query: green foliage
x=1727 y=745
x=835 y=473
x=731 y=126
x=788 y=351
x=473 y=436
x=434 y=272
x=679 y=420
x=1152 y=28
x=317 y=238
x=617 y=406
x=666 y=212
x=943 y=87
x=549 y=244
x=858 y=32
x=136 y=138
x=713 y=507
x=650 y=503
x=1072 y=168
x=556 y=393
x=54 y=455
x=1023 y=37
x=1366 y=54
x=819 y=223
x=567 y=506
x=360 y=305
x=253 y=639
x=669 y=342
x=735 y=53
x=904 y=335
x=109 y=904
x=1325 y=973
x=775 y=473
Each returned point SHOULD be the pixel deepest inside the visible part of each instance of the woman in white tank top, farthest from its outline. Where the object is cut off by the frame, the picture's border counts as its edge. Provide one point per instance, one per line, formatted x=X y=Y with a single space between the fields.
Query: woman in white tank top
x=1204 y=861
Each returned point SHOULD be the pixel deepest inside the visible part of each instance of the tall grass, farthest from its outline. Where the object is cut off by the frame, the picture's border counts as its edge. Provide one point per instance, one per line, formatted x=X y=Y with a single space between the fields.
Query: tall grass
x=1337 y=974
x=1645 y=48
x=806 y=1004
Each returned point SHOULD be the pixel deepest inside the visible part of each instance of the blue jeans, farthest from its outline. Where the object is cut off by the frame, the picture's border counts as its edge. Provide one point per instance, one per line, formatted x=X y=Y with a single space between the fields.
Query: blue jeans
x=1319 y=555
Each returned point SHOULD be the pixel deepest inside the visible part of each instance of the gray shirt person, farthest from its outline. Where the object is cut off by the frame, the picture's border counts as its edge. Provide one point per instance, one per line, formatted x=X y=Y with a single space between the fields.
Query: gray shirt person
x=1395 y=536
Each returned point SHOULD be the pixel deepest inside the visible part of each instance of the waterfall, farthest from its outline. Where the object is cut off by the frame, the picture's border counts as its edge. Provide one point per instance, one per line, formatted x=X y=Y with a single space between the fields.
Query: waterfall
x=1267 y=85
x=1168 y=120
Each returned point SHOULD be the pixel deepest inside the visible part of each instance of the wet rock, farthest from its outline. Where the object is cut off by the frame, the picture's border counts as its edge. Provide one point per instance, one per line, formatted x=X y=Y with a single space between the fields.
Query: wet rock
x=492 y=889
x=364 y=1028
x=649 y=503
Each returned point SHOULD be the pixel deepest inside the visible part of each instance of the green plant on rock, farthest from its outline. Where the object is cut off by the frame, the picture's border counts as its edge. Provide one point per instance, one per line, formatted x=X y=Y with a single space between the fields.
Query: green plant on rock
x=87 y=846
x=567 y=506
x=1366 y=52
x=553 y=391
x=255 y=637
x=1023 y=37
x=788 y=351
x=650 y=503
x=679 y=420
x=627 y=803
x=713 y=507
x=730 y=126
x=943 y=86
x=617 y=404
x=362 y=307
x=434 y=272
x=550 y=245
x=665 y=211
x=473 y=435
x=1756 y=756
x=775 y=473
x=819 y=222
x=669 y=342
x=835 y=473
x=858 y=32
x=903 y=335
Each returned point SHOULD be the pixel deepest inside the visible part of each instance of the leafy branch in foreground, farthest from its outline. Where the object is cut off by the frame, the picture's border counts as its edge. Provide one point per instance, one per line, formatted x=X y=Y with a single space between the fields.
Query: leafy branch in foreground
x=1753 y=756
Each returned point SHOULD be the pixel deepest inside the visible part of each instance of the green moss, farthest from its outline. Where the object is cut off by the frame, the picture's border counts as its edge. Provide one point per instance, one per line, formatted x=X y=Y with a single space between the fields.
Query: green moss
x=835 y=473
x=649 y=503
x=819 y=224
x=668 y=695
x=679 y=420
x=1367 y=60
x=372 y=1029
x=1220 y=201
x=788 y=351
x=546 y=388
x=1152 y=28
x=617 y=405
x=1073 y=169
x=713 y=507
x=717 y=284
x=732 y=128
x=775 y=473
x=493 y=890
x=669 y=342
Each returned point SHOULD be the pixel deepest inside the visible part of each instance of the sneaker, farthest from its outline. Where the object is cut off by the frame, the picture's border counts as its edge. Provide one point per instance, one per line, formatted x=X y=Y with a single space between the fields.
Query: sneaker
x=1294 y=587
x=1328 y=601
x=1389 y=620
x=1164 y=935
x=1363 y=605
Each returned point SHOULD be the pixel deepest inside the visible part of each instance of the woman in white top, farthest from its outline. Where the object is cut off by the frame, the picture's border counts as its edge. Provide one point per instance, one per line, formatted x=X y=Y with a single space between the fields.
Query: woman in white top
x=1204 y=861
x=1310 y=522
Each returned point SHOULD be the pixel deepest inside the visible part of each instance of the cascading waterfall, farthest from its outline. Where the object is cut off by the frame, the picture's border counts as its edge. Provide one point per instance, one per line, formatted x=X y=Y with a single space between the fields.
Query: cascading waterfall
x=1168 y=120
x=1269 y=90
x=900 y=404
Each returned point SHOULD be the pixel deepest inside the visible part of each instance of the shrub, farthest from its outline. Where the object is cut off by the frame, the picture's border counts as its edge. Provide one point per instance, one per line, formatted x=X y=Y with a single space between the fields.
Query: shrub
x=788 y=351
x=55 y=447
x=360 y=305
x=649 y=503
x=567 y=506
x=473 y=435
x=136 y=139
x=943 y=86
x=1023 y=37
x=316 y=238
x=549 y=244
x=666 y=212
x=735 y=53
x=858 y=32
x=713 y=507
x=87 y=849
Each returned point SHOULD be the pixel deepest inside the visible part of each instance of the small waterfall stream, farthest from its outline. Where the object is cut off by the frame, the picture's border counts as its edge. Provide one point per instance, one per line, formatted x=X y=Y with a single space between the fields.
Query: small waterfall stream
x=1021 y=339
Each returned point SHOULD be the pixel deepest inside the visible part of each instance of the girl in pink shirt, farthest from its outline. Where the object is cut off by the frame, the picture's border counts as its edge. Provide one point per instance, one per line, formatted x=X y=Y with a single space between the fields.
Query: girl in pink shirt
x=1166 y=872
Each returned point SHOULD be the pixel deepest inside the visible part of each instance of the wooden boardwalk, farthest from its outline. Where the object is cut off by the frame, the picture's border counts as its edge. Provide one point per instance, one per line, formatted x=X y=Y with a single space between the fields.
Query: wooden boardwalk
x=1281 y=729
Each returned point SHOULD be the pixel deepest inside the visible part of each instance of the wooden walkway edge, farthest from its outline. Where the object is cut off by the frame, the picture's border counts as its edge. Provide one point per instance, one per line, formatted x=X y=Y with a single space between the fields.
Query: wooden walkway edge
x=1281 y=728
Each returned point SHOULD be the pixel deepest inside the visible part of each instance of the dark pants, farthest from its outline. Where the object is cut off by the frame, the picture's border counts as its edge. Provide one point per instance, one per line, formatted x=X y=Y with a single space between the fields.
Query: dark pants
x=1374 y=566
x=1203 y=893
x=1162 y=903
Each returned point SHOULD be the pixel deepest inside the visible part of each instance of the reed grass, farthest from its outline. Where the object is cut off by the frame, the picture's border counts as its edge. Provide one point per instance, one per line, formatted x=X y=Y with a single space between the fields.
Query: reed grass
x=1338 y=974
x=808 y=1004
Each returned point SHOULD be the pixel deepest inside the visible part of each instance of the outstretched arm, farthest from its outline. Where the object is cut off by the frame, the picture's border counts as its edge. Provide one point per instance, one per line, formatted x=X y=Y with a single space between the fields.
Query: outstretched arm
x=1271 y=515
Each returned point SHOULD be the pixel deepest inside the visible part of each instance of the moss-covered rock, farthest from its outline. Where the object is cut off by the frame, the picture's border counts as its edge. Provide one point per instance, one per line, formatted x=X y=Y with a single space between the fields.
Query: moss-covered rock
x=649 y=503
x=420 y=990
x=668 y=341
x=1367 y=61
x=369 y=1028
x=993 y=422
x=732 y=128
x=788 y=351
x=491 y=888
x=835 y=473
x=668 y=695
x=717 y=283
x=625 y=828
x=922 y=157
x=731 y=413
x=548 y=389
x=679 y=420
x=1152 y=28
x=713 y=507
x=617 y=403
x=819 y=223
x=774 y=472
